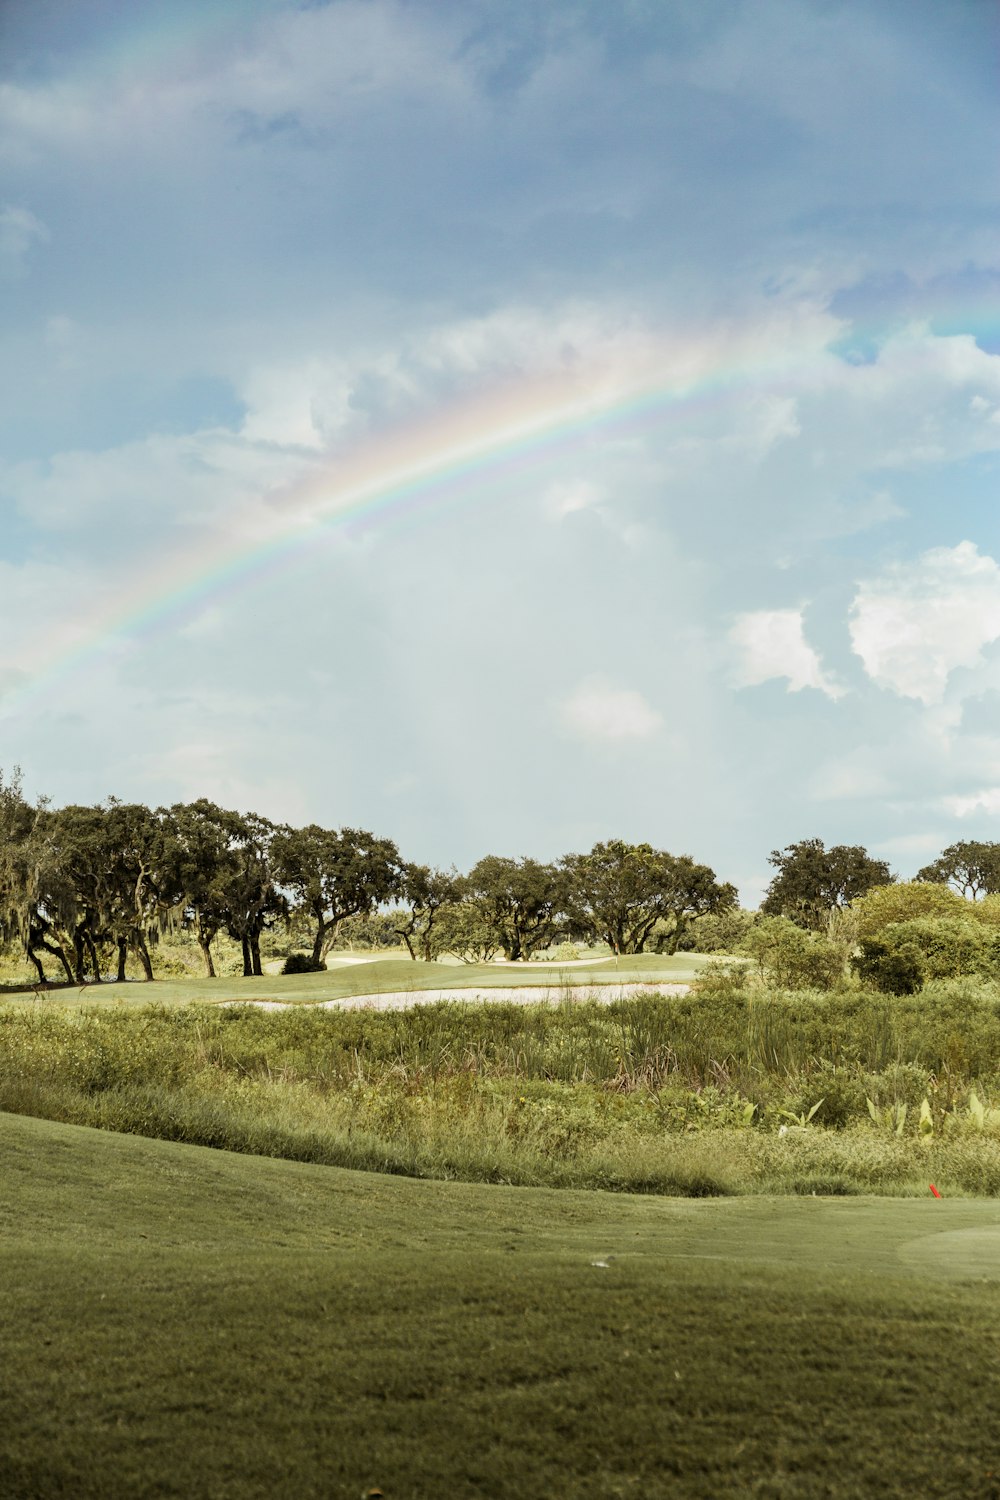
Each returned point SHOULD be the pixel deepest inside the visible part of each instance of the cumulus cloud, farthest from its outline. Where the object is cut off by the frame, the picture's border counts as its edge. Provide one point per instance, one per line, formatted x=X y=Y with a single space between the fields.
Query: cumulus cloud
x=771 y=643
x=599 y=711
x=919 y=621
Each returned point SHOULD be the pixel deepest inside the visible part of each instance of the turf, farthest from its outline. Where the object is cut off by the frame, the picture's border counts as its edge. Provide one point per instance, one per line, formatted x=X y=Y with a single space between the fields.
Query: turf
x=382 y=976
x=182 y=1322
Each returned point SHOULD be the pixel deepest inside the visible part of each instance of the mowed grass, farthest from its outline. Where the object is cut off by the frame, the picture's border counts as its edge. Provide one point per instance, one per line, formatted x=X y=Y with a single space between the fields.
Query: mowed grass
x=384 y=976
x=184 y=1322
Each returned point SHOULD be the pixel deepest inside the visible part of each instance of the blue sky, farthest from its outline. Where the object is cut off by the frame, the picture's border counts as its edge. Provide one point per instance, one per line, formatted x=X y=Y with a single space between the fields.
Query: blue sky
x=750 y=594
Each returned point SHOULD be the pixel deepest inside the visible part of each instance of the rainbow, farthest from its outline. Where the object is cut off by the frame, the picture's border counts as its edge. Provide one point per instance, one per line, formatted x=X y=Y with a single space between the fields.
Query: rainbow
x=450 y=457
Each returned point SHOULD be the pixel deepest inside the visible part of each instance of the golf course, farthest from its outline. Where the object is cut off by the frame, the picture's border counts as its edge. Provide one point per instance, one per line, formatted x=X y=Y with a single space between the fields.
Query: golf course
x=187 y=1322
x=204 y=1297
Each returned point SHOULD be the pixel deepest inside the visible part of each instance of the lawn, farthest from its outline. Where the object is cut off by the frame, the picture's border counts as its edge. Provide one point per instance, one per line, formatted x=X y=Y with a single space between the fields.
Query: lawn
x=384 y=976
x=185 y=1322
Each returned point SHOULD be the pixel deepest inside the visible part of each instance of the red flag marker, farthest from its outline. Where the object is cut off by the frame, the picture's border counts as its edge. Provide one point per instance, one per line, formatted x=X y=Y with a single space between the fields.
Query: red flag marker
x=934 y=1190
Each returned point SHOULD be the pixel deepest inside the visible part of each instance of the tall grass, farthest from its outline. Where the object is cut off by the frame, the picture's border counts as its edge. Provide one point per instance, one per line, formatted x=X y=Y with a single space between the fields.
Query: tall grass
x=694 y=1093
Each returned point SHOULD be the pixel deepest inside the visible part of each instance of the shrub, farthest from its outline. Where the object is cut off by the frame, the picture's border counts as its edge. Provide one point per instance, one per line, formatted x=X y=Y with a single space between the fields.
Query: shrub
x=903 y=902
x=793 y=958
x=302 y=963
x=894 y=971
x=949 y=948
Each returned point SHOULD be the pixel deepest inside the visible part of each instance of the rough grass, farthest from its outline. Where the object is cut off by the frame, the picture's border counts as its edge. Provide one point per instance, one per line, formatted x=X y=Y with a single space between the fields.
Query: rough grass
x=181 y=1322
x=700 y=1094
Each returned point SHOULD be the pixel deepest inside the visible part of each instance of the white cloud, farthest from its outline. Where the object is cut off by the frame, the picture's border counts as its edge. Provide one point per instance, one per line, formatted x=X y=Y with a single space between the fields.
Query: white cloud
x=599 y=711
x=771 y=643
x=920 y=621
x=19 y=231
x=986 y=800
x=565 y=496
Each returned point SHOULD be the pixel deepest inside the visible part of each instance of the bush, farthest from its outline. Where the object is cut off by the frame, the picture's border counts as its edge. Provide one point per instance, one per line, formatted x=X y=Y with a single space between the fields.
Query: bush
x=906 y=901
x=302 y=963
x=894 y=971
x=948 y=948
x=789 y=956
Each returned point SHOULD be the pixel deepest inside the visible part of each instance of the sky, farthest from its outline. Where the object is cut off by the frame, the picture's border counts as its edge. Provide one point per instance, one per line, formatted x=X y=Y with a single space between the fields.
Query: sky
x=504 y=426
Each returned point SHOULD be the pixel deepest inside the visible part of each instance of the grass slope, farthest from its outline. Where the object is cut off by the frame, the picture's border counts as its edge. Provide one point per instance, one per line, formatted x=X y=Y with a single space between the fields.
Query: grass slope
x=182 y=1322
x=383 y=976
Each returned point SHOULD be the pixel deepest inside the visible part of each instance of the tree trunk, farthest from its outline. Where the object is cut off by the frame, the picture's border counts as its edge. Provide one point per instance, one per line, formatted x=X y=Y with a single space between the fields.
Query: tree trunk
x=122 y=959
x=38 y=965
x=142 y=952
x=205 y=945
x=58 y=952
x=79 y=969
x=95 y=962
x=247 y=956
x=255 y=954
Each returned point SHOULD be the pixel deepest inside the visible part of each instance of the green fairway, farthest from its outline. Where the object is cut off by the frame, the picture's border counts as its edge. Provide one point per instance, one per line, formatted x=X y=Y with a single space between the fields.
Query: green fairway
x=385 y=976
x=183 y=1322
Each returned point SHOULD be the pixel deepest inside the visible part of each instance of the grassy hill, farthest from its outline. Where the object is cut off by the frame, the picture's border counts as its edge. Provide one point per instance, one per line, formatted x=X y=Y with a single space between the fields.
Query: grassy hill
x=184 y=1322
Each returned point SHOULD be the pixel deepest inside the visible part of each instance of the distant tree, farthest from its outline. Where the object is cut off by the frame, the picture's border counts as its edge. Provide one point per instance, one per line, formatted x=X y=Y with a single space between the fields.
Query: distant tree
x=619 y=892
x=717 y=932
x=422 y=895
x=464 y=930
x=253 y=901
x=334 y=875
x=812 y=881
x=205 y=846
x=971 y=868
x=521 y=900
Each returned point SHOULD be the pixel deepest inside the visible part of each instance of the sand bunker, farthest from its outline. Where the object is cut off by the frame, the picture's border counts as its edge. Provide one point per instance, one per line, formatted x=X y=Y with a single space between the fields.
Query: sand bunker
x=527 y=994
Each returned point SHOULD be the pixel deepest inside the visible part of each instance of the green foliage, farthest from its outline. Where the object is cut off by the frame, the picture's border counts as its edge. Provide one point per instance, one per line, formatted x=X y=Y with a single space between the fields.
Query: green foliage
x=893 y=969
x=302 y=963
x=812 y=881
x=971 y=867
x=792 y=958
x=717 y=932
x=939 y=947
x=335 y=875
x=620 y=894
x=902 y=902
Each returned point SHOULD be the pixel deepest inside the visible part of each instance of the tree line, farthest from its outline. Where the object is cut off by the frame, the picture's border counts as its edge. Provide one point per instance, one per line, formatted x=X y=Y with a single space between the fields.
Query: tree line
x=86 y=887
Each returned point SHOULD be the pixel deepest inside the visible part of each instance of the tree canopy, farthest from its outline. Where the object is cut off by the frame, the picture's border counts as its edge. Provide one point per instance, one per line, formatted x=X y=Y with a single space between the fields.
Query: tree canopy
x=971 y=867
x=619 y=892
x=812 y=881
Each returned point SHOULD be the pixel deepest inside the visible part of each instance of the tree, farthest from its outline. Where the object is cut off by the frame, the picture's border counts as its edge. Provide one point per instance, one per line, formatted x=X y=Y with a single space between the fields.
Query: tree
x=619 y=892
x=208 y=869
x=971 y=868
x=812 y=881
x=335 y=875
x=464 y=930
x=522 y=902
x=423 y=893
x=252 y=900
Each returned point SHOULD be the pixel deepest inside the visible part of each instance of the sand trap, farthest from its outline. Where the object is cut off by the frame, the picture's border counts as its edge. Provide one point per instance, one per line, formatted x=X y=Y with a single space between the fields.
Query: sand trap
x=526 y=994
